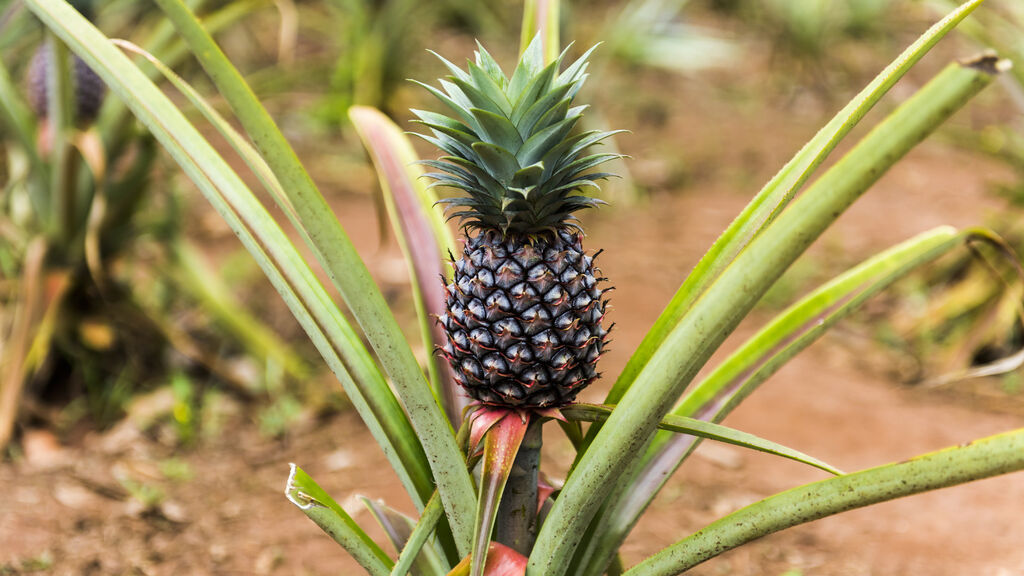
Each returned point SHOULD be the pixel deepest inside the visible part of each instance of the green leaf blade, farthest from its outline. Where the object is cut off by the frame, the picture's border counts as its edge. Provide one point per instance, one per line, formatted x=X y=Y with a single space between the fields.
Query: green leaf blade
x=707 y=430
x=309 y=497
x=426 y=525
x=499 y=161
x=290 y=275
x=400 y=530
x=489 y=88
x=334 y=250
x=749 y=366
x=775 y=195
x=720 y=309
x=992 y=456
x=498 y=130
x=422 y=234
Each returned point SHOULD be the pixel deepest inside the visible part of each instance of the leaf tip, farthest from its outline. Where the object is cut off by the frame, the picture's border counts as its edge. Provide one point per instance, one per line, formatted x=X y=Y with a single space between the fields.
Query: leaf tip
x=988 y=62
x=293 y=492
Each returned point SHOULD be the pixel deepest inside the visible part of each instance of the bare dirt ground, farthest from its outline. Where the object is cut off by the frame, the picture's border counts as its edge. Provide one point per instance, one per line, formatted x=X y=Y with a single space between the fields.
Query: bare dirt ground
x=220 y=508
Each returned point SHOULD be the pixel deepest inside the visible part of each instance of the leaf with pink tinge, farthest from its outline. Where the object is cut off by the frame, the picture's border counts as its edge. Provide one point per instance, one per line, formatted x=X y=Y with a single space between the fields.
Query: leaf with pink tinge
x=483 y=420
x=421 y=231
x=483 y=416
x=544 y=491
x=550 y=412
x=501 y=444
x=501 y=561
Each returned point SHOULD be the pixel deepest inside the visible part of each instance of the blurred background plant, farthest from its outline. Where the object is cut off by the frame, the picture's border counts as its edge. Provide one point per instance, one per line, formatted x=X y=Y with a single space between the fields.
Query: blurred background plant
x=101 y=294
x=373 y=47
x=656 y=33
x=957 y=315
x=1000 y=29
x=818 y=41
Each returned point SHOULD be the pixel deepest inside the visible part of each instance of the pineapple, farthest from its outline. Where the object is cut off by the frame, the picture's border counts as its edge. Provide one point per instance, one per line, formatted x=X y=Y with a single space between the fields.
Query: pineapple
x=89 y=88
x=524 y=309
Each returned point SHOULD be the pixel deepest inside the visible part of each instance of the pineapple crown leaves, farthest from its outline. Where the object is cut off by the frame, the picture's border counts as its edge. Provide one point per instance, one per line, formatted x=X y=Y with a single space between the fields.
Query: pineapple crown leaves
x=510 y=145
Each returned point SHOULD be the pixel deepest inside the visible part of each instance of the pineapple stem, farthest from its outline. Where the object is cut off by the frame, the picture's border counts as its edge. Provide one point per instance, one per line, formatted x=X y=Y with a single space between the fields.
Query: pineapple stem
x=516 y=525
x=60 y=114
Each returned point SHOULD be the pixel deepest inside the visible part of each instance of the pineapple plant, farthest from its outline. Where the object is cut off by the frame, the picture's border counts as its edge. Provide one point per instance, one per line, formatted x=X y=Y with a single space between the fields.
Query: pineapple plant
x=80 y=219
x=524 y=184
x=524 y=309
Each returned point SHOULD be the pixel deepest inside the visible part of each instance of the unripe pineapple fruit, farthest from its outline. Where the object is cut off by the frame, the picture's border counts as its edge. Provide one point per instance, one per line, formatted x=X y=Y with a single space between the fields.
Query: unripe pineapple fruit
x=524 y=309
x=88 y=87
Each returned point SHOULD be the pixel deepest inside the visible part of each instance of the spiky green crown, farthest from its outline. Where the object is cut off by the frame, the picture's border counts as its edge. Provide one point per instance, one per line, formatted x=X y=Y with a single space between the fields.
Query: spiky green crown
x=510 y=145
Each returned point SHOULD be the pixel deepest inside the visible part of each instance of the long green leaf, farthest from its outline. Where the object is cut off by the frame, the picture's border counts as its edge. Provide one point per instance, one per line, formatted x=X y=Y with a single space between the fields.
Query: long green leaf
x=993 y=29
x=729 y=300
x=420 y=227
x=162 y=42
x=999 y=454
x=335 y=252
x=305 y=493
x=701 y=429
x=807 y=320
x=276 y=255
x=365 y=386
x=239 y=143
x=399 y=529
x=19 y=119
x=775 y=195
x=743 y=371
x=17 y=115
x=420 y=534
